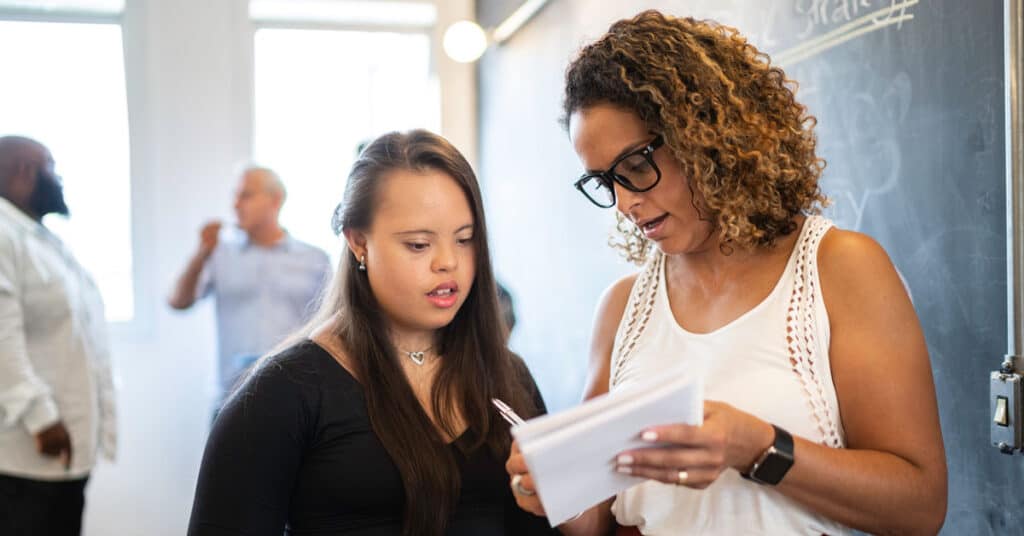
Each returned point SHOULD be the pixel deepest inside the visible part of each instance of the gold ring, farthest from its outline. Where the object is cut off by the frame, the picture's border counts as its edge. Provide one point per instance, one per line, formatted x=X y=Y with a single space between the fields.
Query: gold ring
x=517 y=486
x=681 y=477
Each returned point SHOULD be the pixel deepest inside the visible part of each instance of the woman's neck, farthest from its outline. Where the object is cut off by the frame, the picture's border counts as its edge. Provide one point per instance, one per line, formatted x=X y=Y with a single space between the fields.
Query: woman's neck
x=710 y=260
x=406 y=340
x=710 y=263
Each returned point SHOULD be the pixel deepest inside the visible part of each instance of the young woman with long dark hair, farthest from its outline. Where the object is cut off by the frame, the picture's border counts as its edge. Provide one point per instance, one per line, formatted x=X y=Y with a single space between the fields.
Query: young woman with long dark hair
x=376 y=417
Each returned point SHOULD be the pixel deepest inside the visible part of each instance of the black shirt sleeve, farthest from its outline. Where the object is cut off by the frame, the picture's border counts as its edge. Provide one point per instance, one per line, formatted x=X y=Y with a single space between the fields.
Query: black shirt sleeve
x=521 y=521
x=253 y=455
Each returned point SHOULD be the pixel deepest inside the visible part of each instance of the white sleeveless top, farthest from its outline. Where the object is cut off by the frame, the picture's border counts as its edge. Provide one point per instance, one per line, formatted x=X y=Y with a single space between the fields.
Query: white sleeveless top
x=771 y=362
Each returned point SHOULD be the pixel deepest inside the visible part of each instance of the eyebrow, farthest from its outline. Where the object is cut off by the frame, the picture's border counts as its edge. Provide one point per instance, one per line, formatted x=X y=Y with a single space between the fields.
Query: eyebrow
x=432 y=233
x=636 y=146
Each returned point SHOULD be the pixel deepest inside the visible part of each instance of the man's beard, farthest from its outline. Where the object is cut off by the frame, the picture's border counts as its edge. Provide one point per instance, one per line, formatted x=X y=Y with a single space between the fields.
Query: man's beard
x=48 y=197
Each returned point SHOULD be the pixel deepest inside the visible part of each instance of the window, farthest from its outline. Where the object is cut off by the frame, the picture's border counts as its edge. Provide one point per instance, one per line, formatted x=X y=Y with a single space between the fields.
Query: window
x=318 y=95
x=390 y=13
x=64 y=85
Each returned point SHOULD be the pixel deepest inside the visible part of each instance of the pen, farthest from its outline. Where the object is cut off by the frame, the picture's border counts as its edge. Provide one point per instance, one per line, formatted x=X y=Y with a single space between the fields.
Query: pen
x=507 y=413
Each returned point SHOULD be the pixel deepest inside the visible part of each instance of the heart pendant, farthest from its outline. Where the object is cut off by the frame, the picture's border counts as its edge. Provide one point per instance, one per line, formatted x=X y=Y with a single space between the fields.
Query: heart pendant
x=417 y=357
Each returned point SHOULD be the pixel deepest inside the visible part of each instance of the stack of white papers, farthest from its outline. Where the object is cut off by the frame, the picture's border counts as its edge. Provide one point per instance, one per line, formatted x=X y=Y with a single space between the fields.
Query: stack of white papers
x=571 y=454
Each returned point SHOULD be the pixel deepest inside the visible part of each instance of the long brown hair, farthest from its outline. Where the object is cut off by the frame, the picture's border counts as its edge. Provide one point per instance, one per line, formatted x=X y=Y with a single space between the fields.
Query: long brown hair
x=476 y=364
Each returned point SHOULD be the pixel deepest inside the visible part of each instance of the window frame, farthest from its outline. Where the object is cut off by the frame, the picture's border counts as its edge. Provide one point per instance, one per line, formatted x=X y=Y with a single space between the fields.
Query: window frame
x=140 y=315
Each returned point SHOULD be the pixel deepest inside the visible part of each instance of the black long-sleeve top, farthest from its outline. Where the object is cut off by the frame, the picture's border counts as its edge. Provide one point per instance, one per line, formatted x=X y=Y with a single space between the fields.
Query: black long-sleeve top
x=292 y=452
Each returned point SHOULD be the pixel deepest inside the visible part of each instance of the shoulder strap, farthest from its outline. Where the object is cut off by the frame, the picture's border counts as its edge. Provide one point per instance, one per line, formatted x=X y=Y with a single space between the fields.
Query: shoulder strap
x=635 y=317
x=806 y=356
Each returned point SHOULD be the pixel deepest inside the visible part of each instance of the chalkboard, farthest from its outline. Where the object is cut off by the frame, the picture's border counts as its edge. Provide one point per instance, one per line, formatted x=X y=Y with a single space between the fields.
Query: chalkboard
x=912 y=125
x=909 y=97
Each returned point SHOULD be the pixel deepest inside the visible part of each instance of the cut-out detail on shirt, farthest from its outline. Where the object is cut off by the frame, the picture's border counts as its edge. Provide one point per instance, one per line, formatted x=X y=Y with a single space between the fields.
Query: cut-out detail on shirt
x=638 y=311
x=801 y=328
x=772 y=362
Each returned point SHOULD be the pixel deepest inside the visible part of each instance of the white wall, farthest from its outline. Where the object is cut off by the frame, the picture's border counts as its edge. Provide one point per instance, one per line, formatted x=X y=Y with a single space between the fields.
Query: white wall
x=187 y=110
x=189 y=65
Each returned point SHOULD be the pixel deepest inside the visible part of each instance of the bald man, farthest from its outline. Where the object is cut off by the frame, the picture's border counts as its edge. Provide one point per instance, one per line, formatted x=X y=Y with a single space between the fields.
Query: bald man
x=265 y=284
x=56 y=393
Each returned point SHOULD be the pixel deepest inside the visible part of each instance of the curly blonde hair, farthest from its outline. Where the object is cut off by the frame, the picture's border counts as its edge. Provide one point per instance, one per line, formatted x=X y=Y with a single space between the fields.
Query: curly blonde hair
x=729 y=117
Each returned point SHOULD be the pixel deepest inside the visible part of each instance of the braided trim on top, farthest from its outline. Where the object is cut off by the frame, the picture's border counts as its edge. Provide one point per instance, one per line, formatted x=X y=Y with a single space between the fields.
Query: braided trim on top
x=801 y=328
x=637 y=314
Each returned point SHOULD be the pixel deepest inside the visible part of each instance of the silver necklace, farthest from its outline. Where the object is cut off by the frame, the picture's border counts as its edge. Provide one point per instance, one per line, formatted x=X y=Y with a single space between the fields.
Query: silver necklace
x=417 y=357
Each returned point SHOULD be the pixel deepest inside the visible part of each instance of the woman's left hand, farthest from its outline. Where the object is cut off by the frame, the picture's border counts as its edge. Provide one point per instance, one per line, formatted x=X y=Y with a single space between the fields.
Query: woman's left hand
x=695 y=456
x=521 y=482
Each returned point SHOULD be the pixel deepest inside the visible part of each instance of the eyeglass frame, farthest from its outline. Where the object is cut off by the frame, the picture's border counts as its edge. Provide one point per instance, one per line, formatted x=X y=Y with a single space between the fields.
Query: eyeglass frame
x=647 y=151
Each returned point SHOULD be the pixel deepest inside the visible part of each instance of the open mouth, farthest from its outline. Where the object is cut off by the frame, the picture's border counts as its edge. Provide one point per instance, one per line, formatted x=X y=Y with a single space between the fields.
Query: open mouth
x=444 y=290
x=650 y=225
x=445 y=295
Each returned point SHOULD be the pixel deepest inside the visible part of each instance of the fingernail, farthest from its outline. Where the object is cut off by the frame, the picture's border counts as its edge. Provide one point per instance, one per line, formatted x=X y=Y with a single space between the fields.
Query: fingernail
x=649 y=436
x=624 y=459
x=624 y=470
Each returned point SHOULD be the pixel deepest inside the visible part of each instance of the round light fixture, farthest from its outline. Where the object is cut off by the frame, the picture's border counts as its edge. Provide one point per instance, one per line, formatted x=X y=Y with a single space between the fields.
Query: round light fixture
x=464 y=41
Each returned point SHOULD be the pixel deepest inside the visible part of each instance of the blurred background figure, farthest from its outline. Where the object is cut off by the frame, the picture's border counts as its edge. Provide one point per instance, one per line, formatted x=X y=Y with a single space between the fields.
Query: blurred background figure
x=508 y=309
x=56 y=391
x=265 y=281
x=360 y=146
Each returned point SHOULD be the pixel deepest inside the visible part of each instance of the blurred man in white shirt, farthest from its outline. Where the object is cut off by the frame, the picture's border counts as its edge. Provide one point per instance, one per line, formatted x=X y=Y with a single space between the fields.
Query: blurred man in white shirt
x=56 y=393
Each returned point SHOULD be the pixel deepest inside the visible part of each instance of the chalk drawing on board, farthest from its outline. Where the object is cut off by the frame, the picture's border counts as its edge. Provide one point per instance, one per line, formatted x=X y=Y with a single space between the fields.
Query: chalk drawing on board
x=864 y=137
x=953 y=267
x=816 y=12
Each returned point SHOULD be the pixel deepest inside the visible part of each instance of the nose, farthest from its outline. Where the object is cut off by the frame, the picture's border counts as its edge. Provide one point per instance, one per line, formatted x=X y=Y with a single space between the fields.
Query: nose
x=445 y=259
x=626 y=200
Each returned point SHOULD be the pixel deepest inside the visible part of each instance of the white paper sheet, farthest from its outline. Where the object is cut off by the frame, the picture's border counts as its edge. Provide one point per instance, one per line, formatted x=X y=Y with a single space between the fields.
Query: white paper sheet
x=571 y=454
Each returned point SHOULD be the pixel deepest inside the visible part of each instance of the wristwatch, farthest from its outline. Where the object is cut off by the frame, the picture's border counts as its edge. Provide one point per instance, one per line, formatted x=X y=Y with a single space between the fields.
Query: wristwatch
x=773 y=465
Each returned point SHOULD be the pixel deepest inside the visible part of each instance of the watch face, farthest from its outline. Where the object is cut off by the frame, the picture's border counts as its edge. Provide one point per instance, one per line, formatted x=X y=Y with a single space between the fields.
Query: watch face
x=774 y=467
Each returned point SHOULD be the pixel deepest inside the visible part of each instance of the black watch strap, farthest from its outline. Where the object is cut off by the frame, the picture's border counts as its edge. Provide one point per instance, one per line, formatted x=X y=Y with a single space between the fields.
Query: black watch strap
x=773 y=465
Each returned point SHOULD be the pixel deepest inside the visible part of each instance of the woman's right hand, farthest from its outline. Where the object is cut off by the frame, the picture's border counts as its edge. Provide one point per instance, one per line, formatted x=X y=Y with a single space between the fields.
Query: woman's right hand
x=521 y=482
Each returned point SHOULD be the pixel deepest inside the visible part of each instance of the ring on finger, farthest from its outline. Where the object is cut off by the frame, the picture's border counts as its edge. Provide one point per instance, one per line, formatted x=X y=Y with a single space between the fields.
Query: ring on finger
x=517 y=486
x=681 y=477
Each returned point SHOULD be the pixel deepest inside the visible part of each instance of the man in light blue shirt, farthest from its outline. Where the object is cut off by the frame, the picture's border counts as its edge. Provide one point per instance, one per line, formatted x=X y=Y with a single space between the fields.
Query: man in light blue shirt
x=264 y=281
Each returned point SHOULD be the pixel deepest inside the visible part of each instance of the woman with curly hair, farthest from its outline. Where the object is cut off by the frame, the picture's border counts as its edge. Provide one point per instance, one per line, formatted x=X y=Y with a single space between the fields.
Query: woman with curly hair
x=821 y=411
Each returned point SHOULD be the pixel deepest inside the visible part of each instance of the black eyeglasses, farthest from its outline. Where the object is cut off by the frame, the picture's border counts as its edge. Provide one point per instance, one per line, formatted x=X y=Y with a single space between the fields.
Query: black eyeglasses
x=634 y=171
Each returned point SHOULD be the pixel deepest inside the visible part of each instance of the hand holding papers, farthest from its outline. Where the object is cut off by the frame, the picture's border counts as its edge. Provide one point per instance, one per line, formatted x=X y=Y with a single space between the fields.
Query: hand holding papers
x=571 y=454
